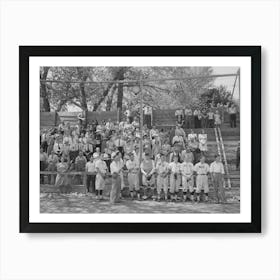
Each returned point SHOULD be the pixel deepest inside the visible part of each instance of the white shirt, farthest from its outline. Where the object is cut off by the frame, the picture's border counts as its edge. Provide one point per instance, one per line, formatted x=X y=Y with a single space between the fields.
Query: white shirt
x=188 y=112
x=201 y=168
x=147 y=110
x=202 y=138
x=232 y=110
x=178 y=112
x=132 y=166
x=178 y=139
x=90 y=167
x=217 y=167
x=174 y=167
x=186 y=168
x=101 y=165
x=116 y=167
x=162 y=167
x=192 y=136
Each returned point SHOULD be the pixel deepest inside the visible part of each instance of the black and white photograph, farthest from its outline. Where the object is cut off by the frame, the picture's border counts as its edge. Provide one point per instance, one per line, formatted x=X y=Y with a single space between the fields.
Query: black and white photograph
x=140 y=139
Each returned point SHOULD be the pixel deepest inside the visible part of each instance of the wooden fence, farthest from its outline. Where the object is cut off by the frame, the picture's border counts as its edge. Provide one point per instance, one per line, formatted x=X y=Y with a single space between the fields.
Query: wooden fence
x=160 y=117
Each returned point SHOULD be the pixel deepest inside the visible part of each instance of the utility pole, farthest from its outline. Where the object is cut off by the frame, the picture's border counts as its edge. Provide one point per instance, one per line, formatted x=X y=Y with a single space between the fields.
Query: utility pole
x=141 y=128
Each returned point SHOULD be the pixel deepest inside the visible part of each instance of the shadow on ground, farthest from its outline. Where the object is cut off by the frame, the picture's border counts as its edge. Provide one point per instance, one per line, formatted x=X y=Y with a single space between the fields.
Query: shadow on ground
x=87 y=203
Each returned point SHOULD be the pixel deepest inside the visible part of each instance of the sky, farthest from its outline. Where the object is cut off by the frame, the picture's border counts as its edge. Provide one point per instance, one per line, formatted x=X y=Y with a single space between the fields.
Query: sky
x=227 y=81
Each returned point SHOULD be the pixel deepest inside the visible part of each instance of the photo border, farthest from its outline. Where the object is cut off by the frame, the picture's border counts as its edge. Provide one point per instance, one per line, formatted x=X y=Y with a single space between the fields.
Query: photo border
x=251 y=51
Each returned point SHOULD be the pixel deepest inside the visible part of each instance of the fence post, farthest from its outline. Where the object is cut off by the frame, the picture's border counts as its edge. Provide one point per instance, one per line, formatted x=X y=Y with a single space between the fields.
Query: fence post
x=85 y=181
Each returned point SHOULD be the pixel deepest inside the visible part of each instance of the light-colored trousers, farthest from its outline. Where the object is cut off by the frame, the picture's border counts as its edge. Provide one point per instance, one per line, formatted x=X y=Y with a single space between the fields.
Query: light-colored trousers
x=115 y=190
x=218 y=184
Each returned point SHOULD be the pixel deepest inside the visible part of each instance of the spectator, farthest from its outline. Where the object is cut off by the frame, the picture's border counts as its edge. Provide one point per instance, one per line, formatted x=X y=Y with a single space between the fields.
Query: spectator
x=179 y=114
x=91 y=175
x=232 y=115
x=217 y=176
x=210 y=118
x=52 y=162
x=188 y=118
x=43 y=163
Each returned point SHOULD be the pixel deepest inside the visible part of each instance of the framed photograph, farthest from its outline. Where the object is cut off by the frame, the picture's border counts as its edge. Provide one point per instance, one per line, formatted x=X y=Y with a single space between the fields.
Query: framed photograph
x=140 y=139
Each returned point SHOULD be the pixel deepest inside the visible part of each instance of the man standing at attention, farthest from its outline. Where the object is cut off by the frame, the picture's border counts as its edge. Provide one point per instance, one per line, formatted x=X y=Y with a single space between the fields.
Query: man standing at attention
x=217 y=175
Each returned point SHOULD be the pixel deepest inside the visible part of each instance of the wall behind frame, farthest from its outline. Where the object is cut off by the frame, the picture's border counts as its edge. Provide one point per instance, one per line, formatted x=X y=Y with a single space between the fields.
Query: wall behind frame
x=89 y=256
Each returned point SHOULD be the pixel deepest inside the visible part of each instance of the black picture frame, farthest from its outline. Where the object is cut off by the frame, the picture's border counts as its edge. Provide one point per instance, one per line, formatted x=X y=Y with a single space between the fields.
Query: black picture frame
x=25 y=52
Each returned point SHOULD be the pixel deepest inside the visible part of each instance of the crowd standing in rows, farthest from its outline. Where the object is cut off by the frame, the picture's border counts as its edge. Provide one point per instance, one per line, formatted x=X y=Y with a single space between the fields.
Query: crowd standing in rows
x=206 y=116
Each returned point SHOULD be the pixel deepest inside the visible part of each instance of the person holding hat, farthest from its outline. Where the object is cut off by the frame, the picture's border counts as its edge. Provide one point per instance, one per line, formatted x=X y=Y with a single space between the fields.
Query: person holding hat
x=101 y=171
x=132 y=166
x=162 y=171
x=116 y=170
x=217 y=175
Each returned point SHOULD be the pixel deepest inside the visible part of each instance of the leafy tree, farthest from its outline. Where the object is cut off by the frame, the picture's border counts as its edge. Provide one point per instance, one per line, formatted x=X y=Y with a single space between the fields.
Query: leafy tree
x=111 y=96
x=216 y=95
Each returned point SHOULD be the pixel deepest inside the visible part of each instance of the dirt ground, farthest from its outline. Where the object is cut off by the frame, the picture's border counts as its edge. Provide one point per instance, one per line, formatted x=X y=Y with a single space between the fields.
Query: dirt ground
x=87 y=203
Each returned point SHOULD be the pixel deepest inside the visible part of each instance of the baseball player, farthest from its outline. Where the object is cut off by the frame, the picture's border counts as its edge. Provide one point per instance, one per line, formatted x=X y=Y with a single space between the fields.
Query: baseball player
x=202 y=170
x=175 y=177
x=132 y=166
x=187 y=169
x=101 y=171
x=162 y=170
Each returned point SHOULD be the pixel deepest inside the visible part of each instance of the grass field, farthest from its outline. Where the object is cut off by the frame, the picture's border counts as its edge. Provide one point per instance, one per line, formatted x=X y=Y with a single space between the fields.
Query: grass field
x=87 y=203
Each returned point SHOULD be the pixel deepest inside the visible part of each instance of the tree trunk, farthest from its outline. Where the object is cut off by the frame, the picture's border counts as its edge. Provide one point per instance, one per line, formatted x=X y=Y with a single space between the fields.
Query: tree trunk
x=110 y=99
x=120 y=94
x=44 y=93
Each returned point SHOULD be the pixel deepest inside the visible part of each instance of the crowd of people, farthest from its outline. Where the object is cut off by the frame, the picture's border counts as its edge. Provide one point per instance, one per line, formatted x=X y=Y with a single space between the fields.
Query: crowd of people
x=206 y=116
x=171 y=160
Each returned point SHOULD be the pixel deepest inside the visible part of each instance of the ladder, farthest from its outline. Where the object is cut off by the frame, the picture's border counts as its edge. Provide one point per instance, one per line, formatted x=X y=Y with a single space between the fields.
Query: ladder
x=220 y=146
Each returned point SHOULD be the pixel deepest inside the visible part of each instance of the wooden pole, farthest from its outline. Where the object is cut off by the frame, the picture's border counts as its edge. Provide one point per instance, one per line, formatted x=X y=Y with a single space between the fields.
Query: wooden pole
x=141 y=129
x=225 y=158
x=233 y=87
